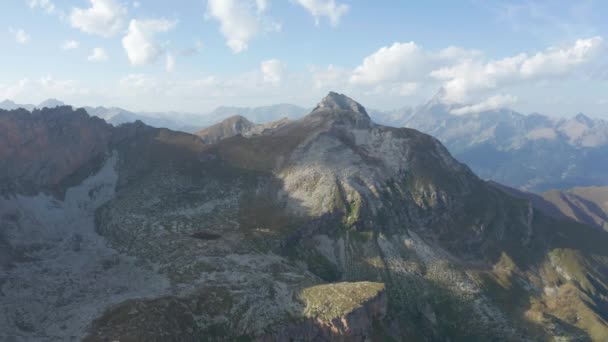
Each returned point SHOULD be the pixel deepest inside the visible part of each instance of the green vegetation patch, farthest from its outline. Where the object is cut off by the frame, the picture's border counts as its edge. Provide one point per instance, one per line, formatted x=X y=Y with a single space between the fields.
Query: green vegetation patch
x=330 y=301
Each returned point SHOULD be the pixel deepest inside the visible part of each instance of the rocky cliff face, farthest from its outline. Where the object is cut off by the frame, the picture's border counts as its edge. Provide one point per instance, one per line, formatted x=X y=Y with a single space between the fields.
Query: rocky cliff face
x=337 y=312
x=260 y=237
x=44 y=148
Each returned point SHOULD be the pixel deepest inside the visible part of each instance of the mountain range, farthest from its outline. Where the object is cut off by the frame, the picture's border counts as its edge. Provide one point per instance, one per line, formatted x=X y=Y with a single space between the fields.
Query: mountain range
x=328 y=227
x=528 y=152
x=186 y=122
x=588 y=205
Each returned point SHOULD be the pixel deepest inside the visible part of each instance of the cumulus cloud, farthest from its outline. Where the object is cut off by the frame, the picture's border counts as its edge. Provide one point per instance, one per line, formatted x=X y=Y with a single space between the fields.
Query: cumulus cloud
x=405 y=89
x=405 y=68
x=390 y=63
x=105 y=18
x=325 y=8
x=70 y=45
x=332 y=77
x=170 y=63
x=12 y=91
x=240 y=20
x=139 y=43
x=43 y=88
x=61 y=88
x=46 y=5
x=261 y=5
x=491 y=103
x=98 y=55
x=272 y=71
x=20 y=35
x=561 y=60
x=472 y=75
x=401 y=68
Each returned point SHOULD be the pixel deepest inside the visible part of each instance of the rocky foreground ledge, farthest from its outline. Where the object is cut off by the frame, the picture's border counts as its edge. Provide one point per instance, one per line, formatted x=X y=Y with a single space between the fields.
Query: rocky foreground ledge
x=337 y=312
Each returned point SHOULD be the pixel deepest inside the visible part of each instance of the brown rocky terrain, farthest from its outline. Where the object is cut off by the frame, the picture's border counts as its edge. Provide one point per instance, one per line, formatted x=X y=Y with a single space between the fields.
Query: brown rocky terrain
x=237 y=125
x=587 y=205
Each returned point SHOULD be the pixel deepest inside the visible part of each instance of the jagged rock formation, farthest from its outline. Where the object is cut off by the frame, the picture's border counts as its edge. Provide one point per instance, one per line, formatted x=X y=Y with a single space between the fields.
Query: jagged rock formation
x=43 y=148
x=243 y=237
x=236 y=125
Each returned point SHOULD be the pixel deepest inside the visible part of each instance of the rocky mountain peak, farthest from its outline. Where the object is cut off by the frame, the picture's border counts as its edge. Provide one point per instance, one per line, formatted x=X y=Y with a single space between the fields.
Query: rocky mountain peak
x=339 y=107
x=584 y=119
x=51 y=103
x=7 y=102
x=337 y=101
x=237 y=119
x=10 y=105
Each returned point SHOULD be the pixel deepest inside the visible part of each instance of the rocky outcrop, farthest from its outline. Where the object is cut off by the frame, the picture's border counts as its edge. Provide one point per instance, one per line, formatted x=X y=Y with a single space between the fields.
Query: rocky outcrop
x=230 y=127
x=337 y=312
x=237 y=125
x=49 y=148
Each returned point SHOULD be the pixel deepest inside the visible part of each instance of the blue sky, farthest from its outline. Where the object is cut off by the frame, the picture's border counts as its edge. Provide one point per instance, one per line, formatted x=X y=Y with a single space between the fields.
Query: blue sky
x=543 y=56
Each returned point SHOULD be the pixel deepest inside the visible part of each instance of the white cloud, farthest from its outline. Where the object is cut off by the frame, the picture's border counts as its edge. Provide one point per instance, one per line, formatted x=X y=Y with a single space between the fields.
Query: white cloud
x=98 y=55
x=136 y=4
x=45 y=5
x=33 y=91
x=55 y=88
x=170 y=64
x=20 y=35
x=139 y=42
x=105 y=18
x=332 y=77
x=398 y=61
x=460 y=80
x=457 y=53
x=405 y=62
x=391 y=89
x=13 y=91
x=272 y=71
x=325 y=8
x=491 y=103
x=261 y=5
x=560 y=60
x=239 y=23
x=70 y=45
x=406 y=89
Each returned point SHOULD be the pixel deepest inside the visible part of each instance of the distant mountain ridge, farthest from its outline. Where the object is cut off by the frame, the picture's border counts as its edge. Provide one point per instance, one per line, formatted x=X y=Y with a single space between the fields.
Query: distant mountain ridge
x=533 y=152
x=48 y=103
x=186 y=122
x=588 y=205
